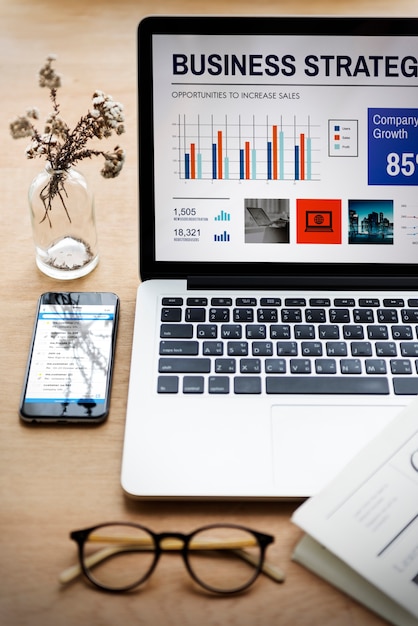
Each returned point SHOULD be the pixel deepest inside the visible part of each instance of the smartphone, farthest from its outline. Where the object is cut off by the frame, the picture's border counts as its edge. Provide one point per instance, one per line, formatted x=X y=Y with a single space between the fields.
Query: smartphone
x=69 y=372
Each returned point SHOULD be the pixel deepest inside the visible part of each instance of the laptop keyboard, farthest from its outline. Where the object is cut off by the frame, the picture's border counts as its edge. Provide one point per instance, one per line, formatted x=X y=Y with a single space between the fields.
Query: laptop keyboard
x=288 y=346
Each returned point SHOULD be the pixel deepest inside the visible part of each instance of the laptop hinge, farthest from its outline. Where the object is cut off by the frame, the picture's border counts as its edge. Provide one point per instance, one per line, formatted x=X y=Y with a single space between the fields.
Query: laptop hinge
x=301 y=282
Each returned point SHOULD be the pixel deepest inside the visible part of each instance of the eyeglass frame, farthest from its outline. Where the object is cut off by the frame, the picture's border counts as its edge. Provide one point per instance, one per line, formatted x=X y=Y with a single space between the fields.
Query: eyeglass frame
x=263 y=541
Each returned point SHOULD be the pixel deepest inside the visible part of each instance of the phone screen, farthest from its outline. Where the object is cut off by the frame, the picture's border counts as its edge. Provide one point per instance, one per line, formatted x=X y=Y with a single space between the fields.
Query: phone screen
x=70 y=364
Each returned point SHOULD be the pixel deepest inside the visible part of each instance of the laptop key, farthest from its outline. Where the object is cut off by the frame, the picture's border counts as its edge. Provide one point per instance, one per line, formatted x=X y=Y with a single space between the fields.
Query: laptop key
x=304 y=331
x=409 y=349
x=275 y=366
x=207 y=331
x=315 y=315
x=291 y=315
x=300 y=366
x=339 y=315
x=344 y=302
x=243 y=315
x=400 y=366
x=255 y=331
x=336 y=348
x=329 y=331
x=375 y=366
x=221 y=302
x=267 y=315
x=237 y=348
x=195 y=314
x=247 y=384
x=363 y=315
x=402 y=332
x=327 y=385
x=287 y=348
x=225 y=366
x=250 y=366
x=193 y=384
x=410 y=315
x=171 y=315
x=219 y=315
x=168 y=384
x=386 y=348
x=280 y=331
x=172 y=301
x=184 y=365
x=353 y=332
x=377 y=332
x=389 y=302
x=176 y=331
x=231 y=331
x=350 y=366
x=213 y=347
x=325 y=366
x=219 y=384
x=405 y=386
x=179 y=347
x=387 y=315
x=361 y=348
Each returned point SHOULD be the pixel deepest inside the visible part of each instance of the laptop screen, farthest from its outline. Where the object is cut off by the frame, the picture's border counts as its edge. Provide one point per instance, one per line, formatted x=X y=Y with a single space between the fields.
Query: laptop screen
x=282 y=141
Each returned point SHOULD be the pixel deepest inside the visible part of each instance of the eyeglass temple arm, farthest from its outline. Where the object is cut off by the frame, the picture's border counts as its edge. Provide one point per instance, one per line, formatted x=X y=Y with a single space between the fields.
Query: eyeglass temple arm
x=268 y=569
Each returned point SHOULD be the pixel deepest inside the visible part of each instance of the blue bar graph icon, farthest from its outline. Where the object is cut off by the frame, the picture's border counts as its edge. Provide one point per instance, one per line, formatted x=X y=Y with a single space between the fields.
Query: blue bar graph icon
x=223 y=217
x=223 y=237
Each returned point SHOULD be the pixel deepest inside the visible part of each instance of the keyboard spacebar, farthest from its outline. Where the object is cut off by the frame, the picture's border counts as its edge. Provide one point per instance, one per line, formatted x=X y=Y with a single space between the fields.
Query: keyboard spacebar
x=327 y=385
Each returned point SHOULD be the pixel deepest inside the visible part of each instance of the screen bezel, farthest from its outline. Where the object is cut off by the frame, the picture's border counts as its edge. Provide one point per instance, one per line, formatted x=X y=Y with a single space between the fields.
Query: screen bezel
x=329 y=275
x=47 y=412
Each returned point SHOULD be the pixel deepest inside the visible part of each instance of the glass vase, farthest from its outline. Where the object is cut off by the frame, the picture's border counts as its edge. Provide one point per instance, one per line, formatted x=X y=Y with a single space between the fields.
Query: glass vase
x=63 y=223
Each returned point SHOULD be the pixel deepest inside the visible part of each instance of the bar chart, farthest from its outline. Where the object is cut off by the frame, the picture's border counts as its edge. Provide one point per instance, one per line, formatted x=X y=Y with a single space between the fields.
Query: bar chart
x=247 y=148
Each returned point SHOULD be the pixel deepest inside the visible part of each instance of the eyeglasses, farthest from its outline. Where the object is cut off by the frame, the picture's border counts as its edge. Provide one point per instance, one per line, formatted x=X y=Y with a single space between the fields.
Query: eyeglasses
x=223 y=558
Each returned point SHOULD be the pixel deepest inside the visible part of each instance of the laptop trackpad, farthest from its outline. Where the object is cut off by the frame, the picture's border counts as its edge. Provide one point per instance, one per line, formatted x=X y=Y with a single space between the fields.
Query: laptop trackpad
x=313 y=442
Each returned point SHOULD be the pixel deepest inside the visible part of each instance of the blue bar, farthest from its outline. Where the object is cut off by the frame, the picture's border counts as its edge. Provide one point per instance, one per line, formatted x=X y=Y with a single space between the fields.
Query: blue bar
x=269 y=155
x=297 y=174
x=187 y=165
x=253 y=164
x=214 y=162
x=226 y=170
x=309 y=158
x=281 y=154
x=241 y=164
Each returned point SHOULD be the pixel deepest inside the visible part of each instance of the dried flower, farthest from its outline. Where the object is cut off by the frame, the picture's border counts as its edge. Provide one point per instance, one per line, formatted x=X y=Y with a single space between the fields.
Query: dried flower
x=48 y=76
x=113 y=163
x=63 y=147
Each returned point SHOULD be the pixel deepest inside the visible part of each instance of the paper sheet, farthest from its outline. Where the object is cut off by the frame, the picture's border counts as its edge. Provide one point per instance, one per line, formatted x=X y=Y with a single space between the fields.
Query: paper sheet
x=368 y=515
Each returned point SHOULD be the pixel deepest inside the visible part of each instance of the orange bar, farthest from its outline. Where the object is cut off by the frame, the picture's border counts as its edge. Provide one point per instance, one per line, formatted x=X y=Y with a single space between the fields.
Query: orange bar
x=220 y=159
x=247 y=159
x=302 y=157
x=274 y=147
x=192 y=160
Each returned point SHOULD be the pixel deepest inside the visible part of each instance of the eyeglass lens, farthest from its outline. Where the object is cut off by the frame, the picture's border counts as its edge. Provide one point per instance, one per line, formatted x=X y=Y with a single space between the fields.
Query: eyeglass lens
x=221 y=558
x=119 y=556
x=231 y=562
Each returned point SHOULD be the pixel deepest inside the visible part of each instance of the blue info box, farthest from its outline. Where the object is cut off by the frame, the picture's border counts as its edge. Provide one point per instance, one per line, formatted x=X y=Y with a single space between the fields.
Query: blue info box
x=393 y=146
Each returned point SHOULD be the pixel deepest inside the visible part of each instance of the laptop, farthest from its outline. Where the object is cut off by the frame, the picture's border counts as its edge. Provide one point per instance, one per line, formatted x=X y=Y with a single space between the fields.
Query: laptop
x=259 y=369
x=261 y=218
x=318 y=220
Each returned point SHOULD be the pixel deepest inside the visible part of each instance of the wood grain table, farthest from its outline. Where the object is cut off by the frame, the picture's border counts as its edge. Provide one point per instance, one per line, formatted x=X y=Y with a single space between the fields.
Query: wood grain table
x=56 y=479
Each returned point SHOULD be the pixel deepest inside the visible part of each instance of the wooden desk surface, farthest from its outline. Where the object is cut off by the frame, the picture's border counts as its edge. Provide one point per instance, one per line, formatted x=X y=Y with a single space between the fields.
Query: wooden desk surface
x=53 y=480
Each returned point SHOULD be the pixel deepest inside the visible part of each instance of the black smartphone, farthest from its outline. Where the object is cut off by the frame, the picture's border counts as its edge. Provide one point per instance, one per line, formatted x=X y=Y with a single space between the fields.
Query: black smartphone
x=69 y=371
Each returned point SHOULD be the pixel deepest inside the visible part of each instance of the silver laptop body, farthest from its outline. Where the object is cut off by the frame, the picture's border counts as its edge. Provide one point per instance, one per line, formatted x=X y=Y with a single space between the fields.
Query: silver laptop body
x=266 y=355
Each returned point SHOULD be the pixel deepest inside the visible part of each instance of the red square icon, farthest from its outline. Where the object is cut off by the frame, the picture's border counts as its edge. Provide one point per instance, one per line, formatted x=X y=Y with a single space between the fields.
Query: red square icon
x=318 y=221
